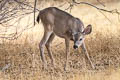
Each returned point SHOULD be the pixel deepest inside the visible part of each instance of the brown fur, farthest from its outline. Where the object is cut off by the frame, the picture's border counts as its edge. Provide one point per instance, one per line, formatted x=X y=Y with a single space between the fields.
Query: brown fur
x=64 y=25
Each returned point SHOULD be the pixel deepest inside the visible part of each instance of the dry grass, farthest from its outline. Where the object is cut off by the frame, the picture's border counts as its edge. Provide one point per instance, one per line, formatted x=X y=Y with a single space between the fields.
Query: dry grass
x=103 y=46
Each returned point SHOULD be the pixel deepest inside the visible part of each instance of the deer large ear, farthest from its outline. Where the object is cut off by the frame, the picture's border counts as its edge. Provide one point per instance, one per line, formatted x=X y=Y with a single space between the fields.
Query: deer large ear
x=87 y=30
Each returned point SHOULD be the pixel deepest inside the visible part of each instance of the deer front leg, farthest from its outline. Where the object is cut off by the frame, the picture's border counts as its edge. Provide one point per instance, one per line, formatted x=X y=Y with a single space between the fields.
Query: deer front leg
x=67 y=43
x=87 y=55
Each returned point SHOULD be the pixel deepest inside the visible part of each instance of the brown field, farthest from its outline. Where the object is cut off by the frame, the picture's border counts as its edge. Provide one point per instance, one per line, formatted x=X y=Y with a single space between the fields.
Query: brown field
x=20 y=58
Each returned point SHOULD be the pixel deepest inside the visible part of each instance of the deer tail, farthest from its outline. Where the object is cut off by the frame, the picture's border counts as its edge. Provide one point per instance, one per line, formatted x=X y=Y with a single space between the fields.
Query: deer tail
x=38 y=17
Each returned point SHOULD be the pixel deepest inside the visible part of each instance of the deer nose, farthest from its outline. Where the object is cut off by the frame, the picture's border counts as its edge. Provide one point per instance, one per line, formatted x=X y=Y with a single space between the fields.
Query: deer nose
x=75 y=46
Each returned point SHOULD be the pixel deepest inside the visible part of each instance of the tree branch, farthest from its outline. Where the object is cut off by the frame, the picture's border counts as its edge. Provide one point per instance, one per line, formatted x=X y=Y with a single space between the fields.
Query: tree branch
x=101 y=3
x=2 y=4
x=101 y=9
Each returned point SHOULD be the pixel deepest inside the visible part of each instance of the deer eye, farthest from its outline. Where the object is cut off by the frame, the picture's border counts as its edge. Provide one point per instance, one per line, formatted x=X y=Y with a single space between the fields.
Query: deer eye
x=80 y=39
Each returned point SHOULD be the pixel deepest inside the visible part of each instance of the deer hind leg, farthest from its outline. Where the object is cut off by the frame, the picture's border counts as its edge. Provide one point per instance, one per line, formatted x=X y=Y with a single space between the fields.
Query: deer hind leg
x=44 y=40
x=48 y=44
x=87 y=55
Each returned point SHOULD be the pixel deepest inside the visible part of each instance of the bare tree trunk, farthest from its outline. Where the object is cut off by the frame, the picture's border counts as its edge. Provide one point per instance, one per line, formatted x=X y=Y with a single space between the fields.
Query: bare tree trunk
x=34 y=10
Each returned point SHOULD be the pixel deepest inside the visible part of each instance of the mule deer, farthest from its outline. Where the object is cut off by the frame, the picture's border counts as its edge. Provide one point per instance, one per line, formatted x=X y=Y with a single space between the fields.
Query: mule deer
x=64 y=25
